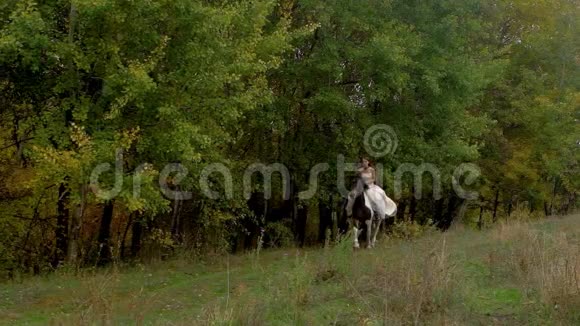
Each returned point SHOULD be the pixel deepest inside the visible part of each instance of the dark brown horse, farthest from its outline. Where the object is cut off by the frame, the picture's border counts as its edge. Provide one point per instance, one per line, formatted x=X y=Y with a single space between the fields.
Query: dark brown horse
x=361 y=213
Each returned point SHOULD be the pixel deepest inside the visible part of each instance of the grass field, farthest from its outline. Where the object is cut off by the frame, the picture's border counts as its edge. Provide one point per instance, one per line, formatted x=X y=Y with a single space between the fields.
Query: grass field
x=513 y=274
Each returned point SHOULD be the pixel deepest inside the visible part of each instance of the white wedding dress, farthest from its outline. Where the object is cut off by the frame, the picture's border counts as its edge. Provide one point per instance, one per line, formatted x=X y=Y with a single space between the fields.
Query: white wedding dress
x=375 y=198
x=380 y=202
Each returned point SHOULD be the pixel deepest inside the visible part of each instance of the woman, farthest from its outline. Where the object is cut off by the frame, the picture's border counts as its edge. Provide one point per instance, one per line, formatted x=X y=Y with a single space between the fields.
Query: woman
x=367 y=173
x=379 y=200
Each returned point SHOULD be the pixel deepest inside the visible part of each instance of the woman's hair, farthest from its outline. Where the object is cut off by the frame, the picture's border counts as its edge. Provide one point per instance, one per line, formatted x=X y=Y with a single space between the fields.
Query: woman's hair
x=362 y=158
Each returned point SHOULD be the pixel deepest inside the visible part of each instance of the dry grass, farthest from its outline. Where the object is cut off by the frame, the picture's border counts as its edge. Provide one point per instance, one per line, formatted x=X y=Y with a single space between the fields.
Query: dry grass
x=515 y=274
x=95 y=302
x=413 y=292
x=546 y=263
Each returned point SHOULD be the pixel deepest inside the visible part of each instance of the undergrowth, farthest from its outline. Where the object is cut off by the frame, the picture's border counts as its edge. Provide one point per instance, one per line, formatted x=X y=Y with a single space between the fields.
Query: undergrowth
x=515 y=273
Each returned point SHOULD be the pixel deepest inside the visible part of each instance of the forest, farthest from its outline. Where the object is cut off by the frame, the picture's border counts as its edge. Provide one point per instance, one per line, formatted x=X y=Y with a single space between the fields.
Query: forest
x=228 y=84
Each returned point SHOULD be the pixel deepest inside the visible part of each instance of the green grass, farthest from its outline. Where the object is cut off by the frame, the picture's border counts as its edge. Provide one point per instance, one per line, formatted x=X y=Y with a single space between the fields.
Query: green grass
x=513 y=274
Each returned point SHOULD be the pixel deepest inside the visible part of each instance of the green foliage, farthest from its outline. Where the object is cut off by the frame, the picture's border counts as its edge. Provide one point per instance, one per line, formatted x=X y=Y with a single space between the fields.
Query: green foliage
x=409 y=230
x=291 y=81
x=279 y=234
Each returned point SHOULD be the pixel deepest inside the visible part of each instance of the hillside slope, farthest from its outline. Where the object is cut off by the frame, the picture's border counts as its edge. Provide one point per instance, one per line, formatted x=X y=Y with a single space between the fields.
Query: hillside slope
x=520 y=273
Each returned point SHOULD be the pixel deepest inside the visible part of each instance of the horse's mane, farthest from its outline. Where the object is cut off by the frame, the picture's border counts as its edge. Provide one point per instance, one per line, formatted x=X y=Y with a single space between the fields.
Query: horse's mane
x=358 y=184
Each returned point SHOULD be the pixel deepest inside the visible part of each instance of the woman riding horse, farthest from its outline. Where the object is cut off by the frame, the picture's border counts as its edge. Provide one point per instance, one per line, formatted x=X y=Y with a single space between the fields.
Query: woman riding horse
x=378 y=205
x=367 y=174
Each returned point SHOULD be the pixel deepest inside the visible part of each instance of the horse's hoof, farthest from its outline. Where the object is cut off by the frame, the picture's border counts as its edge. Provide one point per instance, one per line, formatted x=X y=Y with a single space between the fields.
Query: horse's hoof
x=356 y=246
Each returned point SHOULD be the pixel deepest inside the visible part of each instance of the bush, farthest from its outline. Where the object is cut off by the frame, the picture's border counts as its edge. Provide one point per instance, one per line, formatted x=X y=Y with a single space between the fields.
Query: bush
x=411 y=230
x=279 y=234
x=522 y=213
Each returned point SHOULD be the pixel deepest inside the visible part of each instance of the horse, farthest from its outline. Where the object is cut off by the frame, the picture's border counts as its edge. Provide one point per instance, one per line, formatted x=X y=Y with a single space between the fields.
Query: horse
x=372 y=217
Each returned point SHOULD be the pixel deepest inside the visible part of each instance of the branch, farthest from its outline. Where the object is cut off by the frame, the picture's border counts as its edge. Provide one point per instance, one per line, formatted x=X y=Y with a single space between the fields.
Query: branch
x=16 y=143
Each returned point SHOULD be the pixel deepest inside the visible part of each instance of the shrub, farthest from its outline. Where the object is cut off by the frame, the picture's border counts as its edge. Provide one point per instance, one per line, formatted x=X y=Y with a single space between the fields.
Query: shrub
x=278 y=234
x=411 y=230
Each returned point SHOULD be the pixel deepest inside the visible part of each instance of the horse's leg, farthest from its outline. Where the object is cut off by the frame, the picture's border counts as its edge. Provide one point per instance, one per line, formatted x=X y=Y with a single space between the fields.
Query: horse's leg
x=355 y=233
x=377 y=231
x=369 y=223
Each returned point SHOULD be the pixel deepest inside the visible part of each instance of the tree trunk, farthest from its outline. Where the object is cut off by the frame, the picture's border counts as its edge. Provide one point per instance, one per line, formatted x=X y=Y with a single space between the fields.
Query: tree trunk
x=438 y=211
x=61 y=225
x=412 y=207
x=302 y=220
x=325 y=215
x=18 y=142
x=334 y=216
x=75 y=229
x=495 y=203
x=570 y=204
x=480 y=221
x=122 y=253
x=448 y=217
x=104 y=238
x=401 y=210
x=175 y=221
x=136 y=233
x=266 y=208
x=550 y=210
